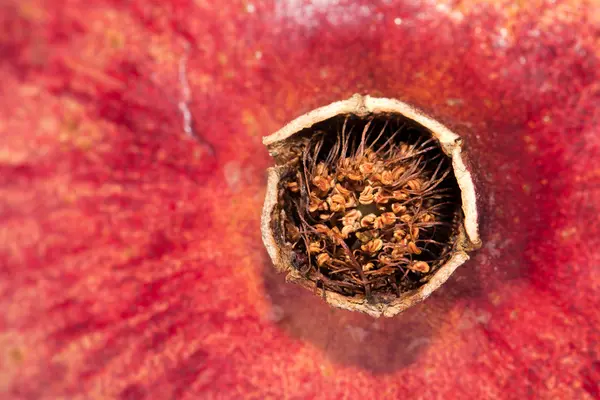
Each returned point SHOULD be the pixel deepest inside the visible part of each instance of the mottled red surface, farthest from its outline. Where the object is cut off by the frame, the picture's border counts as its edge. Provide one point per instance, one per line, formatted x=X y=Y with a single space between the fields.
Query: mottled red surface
x=131 y=263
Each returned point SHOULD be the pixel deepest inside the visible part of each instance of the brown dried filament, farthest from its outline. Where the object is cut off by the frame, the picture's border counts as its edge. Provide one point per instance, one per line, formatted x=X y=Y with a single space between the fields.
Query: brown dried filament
x=372 y=206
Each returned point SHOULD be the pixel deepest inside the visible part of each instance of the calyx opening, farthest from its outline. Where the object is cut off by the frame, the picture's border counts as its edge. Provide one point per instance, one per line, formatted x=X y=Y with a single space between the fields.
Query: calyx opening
x=368 y=205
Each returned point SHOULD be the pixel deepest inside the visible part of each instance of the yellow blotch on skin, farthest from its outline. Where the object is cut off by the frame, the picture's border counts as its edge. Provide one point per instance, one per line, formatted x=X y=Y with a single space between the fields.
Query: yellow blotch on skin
x=514 y=314
x=32 y=11
x=251 y=123
x=530 y=146
x=568 y=233
x=115 y=39
x=75 y=129
x=495 y=298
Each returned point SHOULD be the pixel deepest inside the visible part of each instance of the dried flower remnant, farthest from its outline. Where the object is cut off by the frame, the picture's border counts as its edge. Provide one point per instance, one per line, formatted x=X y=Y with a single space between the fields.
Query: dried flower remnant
x=379 y=219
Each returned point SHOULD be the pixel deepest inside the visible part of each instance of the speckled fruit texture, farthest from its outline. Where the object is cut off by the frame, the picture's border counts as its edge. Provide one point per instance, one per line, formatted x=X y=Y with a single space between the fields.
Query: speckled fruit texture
x=131 y=263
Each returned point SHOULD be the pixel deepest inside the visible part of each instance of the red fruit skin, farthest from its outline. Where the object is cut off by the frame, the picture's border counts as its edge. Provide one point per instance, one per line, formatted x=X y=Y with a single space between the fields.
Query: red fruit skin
x=131 y=263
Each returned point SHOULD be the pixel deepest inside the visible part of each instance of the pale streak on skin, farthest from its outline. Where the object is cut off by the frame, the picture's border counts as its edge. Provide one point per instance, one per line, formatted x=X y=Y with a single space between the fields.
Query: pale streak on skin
x=186 y=94
x=186 y=98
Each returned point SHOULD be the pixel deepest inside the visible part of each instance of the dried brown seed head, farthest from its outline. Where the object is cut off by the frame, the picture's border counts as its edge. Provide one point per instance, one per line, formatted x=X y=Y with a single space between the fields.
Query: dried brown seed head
x=405 y=149
x=323 y=259
x=386 y=178
x=398 y=208
x=348 y=229
x=399 y=195
x=368 y=220
x=412 y=247
x=373 y=246
x=321 y=169
x=384 y=259
x=366 y=196
x=384 y=220
x=406 y=218
x=342 y=190
x=350 y=201
x=366 y=168
x=335 y=233
x=387 y=218
x=315 y=247
x=398 y=172
x=351 y=217
x=370 y=155
x=322 y=183
x=414 y=184
x=314 y=203
x=336 y=203
x=364 y=237
x=399 y=251
x=368 y=266
x=419 y=266
x=322 y=229
x=399 y=234
x=353 y=176
x=380 y=198
x=427 y=218
x=414 y=232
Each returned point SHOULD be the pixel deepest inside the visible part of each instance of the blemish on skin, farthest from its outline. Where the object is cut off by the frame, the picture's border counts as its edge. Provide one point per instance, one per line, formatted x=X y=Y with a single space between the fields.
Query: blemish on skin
x=251 y=123
x=115 y=39
x=442 y=8
x=502 y=38
x=357 y=333
x=31 y=12
x=567 y=233
x=495 y=298
x=470 y=319
x=531 y=147
x=398 y=21
x=454 y=102
x=250 y=8
x=326 y=370
x=28 y=90
x=233 y=174
x=16 y=355
x=483 y=317
x=275 y=314
x=416 y=343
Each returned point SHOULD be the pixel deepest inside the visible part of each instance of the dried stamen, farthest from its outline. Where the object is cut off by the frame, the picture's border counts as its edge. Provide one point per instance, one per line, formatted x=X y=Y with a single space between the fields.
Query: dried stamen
x=372 y=205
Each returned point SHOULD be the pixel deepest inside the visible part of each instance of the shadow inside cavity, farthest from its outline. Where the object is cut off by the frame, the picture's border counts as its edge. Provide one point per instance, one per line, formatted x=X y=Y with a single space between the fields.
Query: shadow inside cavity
x=379 y=346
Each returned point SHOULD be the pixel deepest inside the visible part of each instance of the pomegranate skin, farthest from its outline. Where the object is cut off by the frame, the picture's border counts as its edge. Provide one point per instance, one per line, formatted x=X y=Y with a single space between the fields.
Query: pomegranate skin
x=131 y=262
